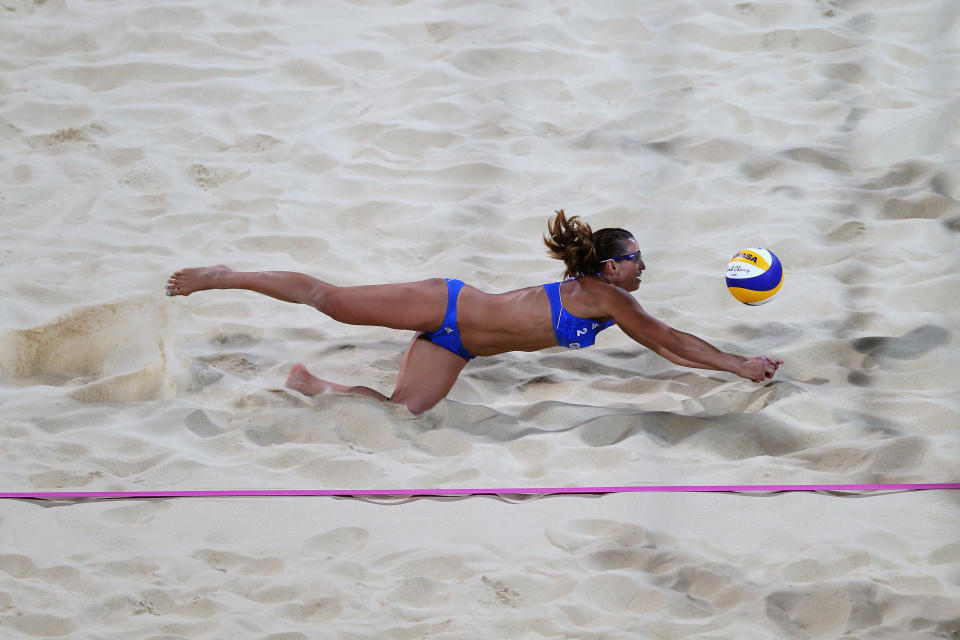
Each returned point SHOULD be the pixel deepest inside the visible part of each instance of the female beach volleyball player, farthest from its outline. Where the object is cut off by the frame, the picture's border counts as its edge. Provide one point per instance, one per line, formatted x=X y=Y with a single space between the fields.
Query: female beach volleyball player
x=456 y=322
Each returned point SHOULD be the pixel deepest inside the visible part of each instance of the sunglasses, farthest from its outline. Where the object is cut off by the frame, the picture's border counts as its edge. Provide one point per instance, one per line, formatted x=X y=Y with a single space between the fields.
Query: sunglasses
x=633 y=257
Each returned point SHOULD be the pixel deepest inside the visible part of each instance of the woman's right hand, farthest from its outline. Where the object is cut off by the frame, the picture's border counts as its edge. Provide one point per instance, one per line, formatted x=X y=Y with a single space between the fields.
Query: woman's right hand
x=759 y=368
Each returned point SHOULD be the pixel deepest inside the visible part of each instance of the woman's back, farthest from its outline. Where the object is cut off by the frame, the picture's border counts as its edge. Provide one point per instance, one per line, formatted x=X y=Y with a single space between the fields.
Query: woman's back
x=521 y=320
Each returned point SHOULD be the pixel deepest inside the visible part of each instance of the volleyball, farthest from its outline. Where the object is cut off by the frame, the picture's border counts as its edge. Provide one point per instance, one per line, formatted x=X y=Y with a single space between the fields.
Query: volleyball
x=754 y=276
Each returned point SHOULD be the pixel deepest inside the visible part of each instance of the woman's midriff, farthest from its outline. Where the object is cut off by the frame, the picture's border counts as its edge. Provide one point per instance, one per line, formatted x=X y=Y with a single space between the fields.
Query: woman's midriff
x=513 y=321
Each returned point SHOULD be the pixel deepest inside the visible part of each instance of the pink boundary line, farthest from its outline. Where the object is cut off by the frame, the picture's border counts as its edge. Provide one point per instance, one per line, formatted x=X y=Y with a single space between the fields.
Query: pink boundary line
x=737 y=488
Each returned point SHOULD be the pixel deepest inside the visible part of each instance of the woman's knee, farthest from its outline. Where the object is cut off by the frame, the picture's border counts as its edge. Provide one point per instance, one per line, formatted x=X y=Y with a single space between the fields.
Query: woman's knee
x=416 y=404
x=331 y=301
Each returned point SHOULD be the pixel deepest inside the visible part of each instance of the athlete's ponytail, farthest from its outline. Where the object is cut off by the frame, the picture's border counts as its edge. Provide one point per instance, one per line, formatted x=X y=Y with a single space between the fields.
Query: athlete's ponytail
x=582 y=250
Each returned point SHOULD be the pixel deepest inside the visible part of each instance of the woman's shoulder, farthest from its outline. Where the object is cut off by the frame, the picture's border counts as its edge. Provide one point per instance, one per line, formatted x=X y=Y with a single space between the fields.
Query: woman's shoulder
x=586 y=297
x=606 y=298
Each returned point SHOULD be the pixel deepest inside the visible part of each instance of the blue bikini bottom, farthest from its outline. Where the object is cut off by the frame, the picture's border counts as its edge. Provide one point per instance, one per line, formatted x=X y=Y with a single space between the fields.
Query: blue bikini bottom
x=448 y=335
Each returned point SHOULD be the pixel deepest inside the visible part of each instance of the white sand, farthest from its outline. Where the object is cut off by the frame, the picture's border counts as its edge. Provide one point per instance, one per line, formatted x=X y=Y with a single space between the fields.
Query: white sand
x=624 y=566
x=372 y=142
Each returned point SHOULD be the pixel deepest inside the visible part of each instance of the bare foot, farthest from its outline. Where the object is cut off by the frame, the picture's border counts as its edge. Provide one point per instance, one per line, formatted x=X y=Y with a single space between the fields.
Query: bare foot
x=187 y=281
x=308 y=384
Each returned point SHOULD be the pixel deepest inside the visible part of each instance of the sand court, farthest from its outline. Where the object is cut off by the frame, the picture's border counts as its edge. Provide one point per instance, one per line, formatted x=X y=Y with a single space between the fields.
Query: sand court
x=621 y=566
x=370 y=142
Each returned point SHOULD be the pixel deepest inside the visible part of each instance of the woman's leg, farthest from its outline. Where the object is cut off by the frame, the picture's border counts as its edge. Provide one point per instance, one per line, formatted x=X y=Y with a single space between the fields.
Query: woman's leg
x=412 y=306
x=427 y=373
x=308 y=384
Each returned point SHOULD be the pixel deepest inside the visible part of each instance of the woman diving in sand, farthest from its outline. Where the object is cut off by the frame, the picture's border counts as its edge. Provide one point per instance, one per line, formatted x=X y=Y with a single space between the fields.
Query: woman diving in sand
x=456 y=322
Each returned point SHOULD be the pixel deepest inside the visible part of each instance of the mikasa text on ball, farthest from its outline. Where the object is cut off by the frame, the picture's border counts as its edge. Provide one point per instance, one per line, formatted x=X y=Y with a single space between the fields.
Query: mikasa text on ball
x=754 y=276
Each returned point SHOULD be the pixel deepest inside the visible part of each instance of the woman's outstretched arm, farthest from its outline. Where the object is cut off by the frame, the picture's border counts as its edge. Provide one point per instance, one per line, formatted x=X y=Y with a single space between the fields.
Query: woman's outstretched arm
x=684 y=348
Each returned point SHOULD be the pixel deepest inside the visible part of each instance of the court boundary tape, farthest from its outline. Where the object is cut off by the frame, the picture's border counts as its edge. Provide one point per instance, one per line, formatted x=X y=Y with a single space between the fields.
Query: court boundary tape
x=532 y=491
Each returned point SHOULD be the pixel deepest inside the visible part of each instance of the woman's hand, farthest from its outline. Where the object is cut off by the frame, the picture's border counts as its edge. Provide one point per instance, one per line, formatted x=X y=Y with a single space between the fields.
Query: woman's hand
x=759 y=368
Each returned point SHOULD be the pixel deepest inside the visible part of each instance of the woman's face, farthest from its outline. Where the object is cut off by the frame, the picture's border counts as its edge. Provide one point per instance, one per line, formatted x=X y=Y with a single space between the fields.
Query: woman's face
x=626 y=273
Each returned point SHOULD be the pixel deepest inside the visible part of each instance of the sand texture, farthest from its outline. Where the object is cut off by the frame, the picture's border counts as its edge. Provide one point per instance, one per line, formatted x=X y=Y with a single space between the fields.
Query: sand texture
x=375 y=141
x=622 y=566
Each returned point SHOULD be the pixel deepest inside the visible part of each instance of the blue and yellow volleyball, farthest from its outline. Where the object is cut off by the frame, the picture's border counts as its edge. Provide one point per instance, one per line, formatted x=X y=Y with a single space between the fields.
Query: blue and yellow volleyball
x=754 y=276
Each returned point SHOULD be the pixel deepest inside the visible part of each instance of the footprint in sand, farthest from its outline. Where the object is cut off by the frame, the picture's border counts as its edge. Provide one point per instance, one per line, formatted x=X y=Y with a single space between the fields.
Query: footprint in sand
x=228 y=562
x=616 y=593
x=901 y=175
x=160 y=603
x=40 y=625
x=924 y=205
x=947 y=554
x=828 y=611
x=420 y=592
x=506 y=595
x=87 y=133
x=200 y=424
x=312 y=610
x=207 y=178
x=852 y=231
x=336 y=542
x=906 y=347
x=146 y=178
x=235 y=364
x=137 y=513
x=574 y=536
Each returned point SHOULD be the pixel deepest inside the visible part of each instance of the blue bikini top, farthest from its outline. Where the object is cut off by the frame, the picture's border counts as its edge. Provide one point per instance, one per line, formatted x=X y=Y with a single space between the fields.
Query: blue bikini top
x=572 y=331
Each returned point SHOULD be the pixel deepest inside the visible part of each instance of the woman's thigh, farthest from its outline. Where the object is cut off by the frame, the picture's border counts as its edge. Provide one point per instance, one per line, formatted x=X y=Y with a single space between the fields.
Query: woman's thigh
x=412 y=306
x=427 y=373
